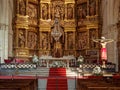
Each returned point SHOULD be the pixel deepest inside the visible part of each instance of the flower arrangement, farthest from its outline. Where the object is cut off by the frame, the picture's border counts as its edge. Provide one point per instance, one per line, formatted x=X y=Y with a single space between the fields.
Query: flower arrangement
x=35 y=59
x=97 y=71
x=80 y=60
x=57 y=64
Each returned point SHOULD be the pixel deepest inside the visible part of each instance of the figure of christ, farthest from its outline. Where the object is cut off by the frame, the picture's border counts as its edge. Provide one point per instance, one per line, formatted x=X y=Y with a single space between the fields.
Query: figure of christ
x=103 y=41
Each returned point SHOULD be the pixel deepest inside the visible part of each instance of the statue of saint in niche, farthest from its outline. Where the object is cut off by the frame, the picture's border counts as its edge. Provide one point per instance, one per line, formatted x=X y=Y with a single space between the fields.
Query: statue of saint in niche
x=57 y=49
x=83 y=42
x=32 y=39
x=70 y=41
x=57 y=12
x=92 y=8
x=80 y=12
x=70 y=12
x=21 y=39
x=44 y=42
x=93 y=34
x=22 y=7
x=44 y=11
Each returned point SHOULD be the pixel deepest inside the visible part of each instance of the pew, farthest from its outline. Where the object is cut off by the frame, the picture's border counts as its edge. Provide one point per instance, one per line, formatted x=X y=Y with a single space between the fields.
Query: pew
x=18 y=84
x=98 y=83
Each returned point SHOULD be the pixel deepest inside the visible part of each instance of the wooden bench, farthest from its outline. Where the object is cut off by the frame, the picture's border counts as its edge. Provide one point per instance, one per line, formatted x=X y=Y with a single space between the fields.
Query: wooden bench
x=98 y=84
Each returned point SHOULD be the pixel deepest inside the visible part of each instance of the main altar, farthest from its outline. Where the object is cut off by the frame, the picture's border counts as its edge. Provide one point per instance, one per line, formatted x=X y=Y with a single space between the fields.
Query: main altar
x=57 y=62
x=56 y=28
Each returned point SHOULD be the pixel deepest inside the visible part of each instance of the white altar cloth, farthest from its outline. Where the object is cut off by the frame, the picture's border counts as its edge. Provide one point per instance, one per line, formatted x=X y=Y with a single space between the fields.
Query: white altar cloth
x=64 y=58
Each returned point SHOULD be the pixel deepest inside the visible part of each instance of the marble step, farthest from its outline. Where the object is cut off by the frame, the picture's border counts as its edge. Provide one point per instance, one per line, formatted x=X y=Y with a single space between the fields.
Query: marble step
x=43 y=71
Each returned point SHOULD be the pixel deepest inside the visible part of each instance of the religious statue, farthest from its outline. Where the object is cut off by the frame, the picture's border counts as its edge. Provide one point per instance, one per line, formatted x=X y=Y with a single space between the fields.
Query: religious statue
x=70 y=41
x=70 y=12
x=92 y=7
x=83 y=40
x=21 y=39
x=22 y=7
x=93 y=34
x=44 y=11
x=80 y=12
x=103 y=41
x=57 y=12
x=58 y=49
x=44 y=42
x=32 y=39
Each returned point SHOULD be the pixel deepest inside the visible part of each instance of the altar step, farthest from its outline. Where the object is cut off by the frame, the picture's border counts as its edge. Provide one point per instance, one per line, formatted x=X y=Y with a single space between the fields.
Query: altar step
x=39 y=71
x=71 y=72
x=44 y=72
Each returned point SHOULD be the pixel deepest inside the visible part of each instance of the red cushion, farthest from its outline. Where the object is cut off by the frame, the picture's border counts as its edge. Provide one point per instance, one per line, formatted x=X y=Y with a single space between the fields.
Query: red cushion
x=116 y=76
x=7 y=61
x=19 y=61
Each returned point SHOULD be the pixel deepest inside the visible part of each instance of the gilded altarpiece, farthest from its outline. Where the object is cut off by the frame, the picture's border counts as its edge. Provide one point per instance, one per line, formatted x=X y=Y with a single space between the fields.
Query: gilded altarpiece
x=35 y=20
x=64 y=11
x=88 y=26
x=26 y=29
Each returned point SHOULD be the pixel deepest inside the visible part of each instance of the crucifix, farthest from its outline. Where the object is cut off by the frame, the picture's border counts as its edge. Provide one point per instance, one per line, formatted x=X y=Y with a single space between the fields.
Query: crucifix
x=103 y=41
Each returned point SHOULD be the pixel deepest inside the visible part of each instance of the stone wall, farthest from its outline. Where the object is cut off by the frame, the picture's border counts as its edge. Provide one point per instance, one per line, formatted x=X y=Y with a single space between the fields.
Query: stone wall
x=110 y=9
x=6 y=11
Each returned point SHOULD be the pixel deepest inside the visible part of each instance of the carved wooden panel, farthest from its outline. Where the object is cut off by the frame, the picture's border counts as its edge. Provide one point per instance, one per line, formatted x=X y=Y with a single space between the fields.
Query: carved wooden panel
x=44 y=11
x=70 y=41
x=57 y=9
x=87 y=25
x=44 y=41
x=92 y=7
x=70 y=11
x=22 y=7
x=82 y=11
x=32 y=13
x=32 y=40
x=21 y=38
x=35 y=19
x=93 y=32
x=82 y=40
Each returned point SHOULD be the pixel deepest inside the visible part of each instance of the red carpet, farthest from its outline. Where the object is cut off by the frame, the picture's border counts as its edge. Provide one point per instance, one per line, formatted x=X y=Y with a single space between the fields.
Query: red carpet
x=57 y=79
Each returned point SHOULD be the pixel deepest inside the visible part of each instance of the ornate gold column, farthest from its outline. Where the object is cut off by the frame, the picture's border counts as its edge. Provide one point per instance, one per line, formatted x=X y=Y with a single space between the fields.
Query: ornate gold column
x=65 y=11
x=66 y=40
x=49 y=5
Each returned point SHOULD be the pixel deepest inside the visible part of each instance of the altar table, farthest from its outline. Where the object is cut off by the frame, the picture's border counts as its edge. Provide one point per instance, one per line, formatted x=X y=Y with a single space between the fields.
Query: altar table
x=64 y=58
